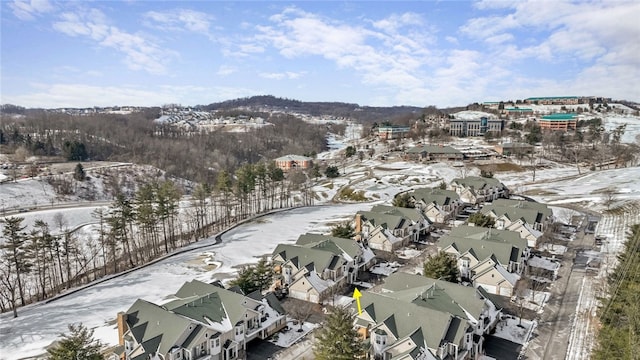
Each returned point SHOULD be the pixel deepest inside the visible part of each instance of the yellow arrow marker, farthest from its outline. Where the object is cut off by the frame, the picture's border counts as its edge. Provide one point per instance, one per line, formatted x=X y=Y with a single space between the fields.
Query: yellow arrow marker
x=357 y=295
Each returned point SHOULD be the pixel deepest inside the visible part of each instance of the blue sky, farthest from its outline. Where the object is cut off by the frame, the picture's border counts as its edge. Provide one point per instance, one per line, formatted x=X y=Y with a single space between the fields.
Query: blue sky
x=377 y=53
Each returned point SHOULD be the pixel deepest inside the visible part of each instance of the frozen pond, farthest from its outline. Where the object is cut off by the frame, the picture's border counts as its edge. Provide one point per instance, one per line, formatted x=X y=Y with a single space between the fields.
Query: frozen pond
x=39 y=325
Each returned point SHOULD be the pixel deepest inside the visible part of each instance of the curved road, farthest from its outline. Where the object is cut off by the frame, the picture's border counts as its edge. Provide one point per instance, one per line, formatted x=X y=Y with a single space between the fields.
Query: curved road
x=96 y=306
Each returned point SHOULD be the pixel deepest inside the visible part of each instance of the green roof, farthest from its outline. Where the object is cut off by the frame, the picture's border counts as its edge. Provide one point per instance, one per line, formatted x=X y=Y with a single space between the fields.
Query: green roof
x=196 y=299
x=154 y=328
x=542 y=207
x=486 y=234
x=437 y=196
x=386 y=221
x=444 y=293
x=303 y=256
x=560 y=116
x=403 y=319
x=478 y=182
x=551 y=98
x=519 y=109
x=336 y=245
x=412 y=214
x=503 y=253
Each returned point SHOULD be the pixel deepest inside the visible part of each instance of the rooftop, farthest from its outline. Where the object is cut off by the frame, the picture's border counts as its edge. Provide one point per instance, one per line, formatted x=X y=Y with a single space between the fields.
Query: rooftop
x=560 y=116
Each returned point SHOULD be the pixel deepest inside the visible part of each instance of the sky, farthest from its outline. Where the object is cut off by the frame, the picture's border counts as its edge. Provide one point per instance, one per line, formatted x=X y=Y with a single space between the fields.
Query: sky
x=377 y=53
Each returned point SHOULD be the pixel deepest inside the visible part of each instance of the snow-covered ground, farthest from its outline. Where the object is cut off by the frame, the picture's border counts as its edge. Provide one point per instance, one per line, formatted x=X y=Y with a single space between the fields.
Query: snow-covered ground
x=514 y=329
x=38 y=325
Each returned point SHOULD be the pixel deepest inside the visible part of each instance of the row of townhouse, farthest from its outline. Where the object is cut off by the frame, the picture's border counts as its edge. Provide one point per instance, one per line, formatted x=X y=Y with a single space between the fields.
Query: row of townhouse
x=417 y=318
x=442 y=205
x=201 y=321
x=317 y=266
x=527 y=218
x=488 y=258
x=388 y=228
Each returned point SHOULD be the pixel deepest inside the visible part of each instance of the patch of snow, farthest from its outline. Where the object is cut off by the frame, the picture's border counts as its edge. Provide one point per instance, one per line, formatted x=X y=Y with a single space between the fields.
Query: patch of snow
x=515 y=330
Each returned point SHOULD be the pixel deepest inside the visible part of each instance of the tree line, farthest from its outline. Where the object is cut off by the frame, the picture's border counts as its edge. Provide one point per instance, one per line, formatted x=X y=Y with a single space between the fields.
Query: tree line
x=193 y=155
x=154 y=220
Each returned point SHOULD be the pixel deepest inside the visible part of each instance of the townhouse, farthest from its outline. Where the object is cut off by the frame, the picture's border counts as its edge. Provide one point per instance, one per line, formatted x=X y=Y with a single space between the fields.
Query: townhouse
x=438 y=205
x=529 y=219
x=489 y=258
x=415 y=317
x=385 y=231
x=477 y=189
x=318 y=266
x=200 y=322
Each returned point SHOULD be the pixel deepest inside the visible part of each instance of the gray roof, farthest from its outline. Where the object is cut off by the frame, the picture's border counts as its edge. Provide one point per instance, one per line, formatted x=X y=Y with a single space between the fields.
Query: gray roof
x=412 y=214
x=503 y=253
x=336 y=245
x=520 y=204
x=433 y=149
x=489 y=234
x=196 y=299
x=437 y=196
x=405 y=318
x=155 y=328
x=312 y=258
x=478 y=182
x=435 y=294
x=387 y=221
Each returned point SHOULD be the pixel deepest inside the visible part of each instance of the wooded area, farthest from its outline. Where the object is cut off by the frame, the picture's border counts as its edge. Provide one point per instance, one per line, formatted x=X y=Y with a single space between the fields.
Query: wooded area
x=619 y=335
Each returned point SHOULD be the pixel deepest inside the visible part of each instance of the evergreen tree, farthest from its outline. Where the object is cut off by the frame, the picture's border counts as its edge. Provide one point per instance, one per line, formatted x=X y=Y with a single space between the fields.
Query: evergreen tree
x=332 y=172
x=15 y=250
x=344 y=231
x=403 y=200
x=78 y=344
x=441 y=266
x=255 y=277
x=78 y=173
x=337 y=339
x=480 y=219
x=349 y=151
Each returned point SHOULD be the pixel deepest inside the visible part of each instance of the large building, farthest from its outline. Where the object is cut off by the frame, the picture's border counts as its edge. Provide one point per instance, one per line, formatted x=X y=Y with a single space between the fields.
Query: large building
x=554 y=100
x=289 y=162
x=475 y=127
x=559 y=122
x=388 y=132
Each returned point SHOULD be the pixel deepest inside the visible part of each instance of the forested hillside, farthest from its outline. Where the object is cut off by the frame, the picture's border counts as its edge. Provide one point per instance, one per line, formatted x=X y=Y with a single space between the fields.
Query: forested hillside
x=137 y=138
x=619 y=336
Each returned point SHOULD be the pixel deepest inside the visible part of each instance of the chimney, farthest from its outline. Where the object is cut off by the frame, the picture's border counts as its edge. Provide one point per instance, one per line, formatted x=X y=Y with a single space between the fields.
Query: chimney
x=358 y=228
x=121 y=321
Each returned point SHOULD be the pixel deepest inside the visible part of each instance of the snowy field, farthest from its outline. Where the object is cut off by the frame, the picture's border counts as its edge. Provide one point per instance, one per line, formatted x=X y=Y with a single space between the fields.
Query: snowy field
x=40 y=324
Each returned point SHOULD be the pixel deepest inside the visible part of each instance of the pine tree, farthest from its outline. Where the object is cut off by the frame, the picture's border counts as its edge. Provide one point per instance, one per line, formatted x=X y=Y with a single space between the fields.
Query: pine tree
x=79 y=344
x=344 y=231
x=480 y=219
x=337 y=339
x=78 y=173
x=441 y=266
x=15 y=250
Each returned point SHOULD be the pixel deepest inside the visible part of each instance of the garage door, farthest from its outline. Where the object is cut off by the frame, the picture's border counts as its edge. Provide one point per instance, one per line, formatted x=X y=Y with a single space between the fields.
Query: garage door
x=505 y=291
x=491 y=289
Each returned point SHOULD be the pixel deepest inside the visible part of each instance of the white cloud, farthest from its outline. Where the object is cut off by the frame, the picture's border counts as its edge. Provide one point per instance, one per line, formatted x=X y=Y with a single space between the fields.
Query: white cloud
x=28 y=10
x=282 y=75
x=179 y=20
x=225 y=70
x=140 y=52
x=387 y=54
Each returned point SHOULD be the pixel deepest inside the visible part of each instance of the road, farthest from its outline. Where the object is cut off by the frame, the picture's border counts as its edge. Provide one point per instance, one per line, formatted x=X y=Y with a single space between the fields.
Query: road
x=551 y=338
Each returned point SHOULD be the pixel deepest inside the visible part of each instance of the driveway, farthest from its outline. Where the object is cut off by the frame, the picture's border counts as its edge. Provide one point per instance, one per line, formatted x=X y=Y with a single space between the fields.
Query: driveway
x=501 y=349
